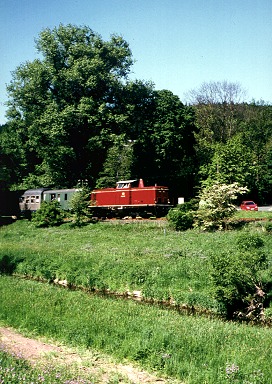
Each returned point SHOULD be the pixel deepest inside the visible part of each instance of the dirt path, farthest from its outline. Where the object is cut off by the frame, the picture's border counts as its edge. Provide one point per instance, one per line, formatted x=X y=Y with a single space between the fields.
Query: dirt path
x=37 y=351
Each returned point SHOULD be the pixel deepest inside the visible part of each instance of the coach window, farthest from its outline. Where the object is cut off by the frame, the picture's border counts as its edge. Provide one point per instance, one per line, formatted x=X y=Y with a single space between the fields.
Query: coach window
x=37 y=199
x=65 y=196
x=58 y=198
x=52 y=196
x=32 y=199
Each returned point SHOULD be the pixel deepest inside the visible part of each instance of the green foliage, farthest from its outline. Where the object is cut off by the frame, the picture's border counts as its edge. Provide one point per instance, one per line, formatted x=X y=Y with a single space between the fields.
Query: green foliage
x=73 y=113
x=268 y=227
x=79 y=205
x=118 y=162
x=49 y=215
x=249 y=242
x=165 y=144
x=237 y=275
x=257 y=128
x=231 y=162
x=217 y=204
x=181 y=217
x=61 y=106
x=233 y=140
x=218 y=109
x=8 y=264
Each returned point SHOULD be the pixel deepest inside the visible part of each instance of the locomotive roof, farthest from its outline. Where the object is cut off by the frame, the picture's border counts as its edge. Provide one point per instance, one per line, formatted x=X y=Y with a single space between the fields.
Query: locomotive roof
x=126 y=181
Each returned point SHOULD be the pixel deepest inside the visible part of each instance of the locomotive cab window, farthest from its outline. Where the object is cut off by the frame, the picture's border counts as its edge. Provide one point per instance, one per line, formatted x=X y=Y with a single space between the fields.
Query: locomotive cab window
x=126 y=184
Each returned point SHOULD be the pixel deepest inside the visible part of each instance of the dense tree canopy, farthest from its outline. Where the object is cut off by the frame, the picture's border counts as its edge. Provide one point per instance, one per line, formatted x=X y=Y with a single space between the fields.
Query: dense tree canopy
x=62 y=107
x=233 y=141
x=166 y=150
x=74 y=114
x=218 y=109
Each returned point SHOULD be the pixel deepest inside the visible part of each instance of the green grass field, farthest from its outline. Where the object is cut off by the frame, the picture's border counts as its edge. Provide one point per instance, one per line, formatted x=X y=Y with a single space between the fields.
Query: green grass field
x=146 y=257
x=254 y=215
x=191 y=348
x=151 y=258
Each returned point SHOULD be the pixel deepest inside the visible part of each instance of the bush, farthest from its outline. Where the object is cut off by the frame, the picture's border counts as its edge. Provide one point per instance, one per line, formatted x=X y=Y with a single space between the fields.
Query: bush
x=250 y=241
x=7 y=264
x=49 y=215
x=268 y=227
x=181 y=217
x=79 y=206
x=237 y=277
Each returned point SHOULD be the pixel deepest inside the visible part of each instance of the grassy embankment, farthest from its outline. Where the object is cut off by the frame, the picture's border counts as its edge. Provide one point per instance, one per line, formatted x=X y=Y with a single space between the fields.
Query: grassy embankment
x=191 y=348
x=150 y=258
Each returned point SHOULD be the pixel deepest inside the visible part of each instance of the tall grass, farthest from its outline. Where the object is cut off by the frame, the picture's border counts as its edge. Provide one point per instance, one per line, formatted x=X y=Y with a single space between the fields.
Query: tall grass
x=192 y=349
x=151 y=258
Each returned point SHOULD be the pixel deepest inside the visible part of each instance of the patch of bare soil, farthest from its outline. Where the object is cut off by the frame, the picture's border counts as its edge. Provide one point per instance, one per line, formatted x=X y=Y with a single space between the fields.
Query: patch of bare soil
x=40 y=352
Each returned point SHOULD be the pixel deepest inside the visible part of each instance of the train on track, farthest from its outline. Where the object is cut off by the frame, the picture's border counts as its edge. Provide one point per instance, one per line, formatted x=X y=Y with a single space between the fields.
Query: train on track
x=30 y=201
x=128 y=198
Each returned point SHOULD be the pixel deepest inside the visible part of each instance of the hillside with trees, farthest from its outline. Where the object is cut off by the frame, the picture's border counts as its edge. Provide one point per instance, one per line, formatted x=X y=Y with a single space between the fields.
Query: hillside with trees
x=74 y=114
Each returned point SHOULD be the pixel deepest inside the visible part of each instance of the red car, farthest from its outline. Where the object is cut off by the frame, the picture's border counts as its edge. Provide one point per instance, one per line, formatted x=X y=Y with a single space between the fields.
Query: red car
x=249 y=206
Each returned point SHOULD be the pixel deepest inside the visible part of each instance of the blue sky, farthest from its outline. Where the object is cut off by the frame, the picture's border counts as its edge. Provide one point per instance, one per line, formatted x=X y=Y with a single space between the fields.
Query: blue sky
x=177 y=44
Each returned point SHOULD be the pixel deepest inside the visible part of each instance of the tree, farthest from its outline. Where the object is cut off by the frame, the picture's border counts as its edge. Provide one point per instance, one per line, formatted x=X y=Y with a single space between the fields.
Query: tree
x=231 y=162
x=218 y=109
x=62 y=108
x=156 y=142
x=229 y=129
x=79 y=205
x=118 y=163
x=256 y=135
x=164 y=149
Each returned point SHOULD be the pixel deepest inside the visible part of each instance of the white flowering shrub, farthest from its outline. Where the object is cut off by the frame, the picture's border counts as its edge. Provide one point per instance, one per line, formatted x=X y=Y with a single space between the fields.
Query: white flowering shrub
x=217 y=204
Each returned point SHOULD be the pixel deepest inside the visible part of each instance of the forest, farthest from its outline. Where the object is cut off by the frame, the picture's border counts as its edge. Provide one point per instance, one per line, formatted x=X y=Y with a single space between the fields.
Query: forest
x=74 y=114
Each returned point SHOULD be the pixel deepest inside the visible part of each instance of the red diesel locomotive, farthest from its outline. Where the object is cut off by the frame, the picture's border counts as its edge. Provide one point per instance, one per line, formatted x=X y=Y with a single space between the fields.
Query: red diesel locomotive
x=130 y=198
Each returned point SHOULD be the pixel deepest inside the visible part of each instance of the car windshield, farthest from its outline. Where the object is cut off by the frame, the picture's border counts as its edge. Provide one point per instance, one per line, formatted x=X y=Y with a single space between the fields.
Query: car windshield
x=250 y=203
